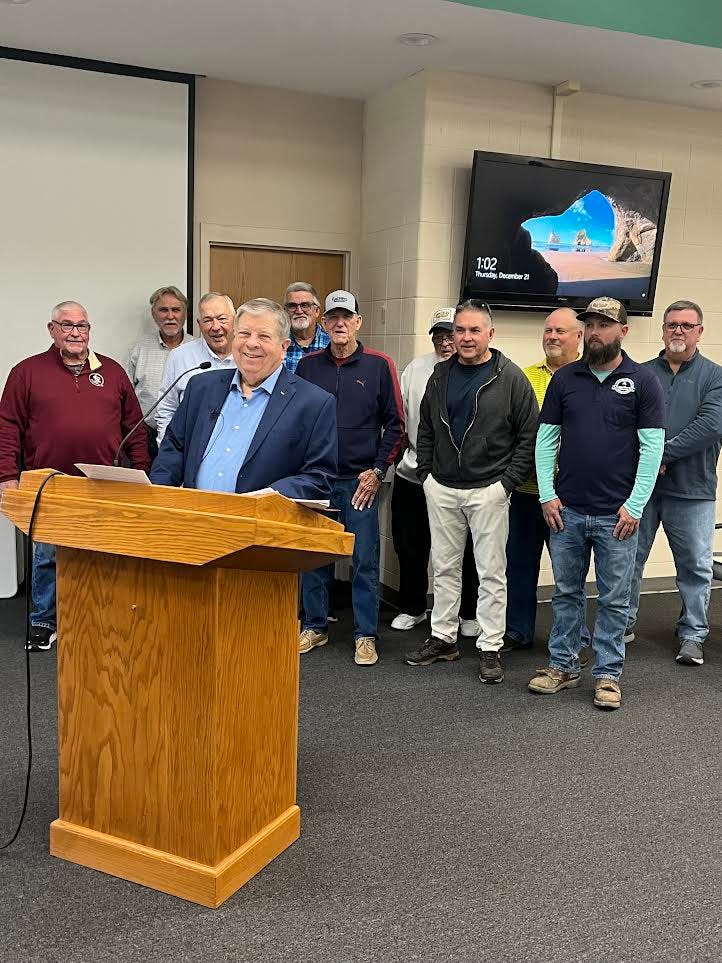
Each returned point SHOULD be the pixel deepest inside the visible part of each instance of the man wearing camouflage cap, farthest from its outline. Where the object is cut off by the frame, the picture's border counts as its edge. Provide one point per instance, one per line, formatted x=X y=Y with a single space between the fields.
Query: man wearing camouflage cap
x=605 y=417
x=409 y=517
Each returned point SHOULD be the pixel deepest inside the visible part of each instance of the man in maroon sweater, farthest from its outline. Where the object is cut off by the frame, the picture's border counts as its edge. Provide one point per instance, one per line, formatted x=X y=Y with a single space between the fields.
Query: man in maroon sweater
x=63 y=406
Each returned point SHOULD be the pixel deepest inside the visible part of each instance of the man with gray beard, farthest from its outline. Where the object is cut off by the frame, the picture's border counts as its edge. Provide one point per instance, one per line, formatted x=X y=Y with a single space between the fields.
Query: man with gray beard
x=604 y=416
x=304 y=311
x=684 y=498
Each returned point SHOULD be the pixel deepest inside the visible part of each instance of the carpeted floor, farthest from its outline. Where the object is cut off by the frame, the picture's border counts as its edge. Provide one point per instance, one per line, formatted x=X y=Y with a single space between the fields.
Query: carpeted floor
x=443 y=820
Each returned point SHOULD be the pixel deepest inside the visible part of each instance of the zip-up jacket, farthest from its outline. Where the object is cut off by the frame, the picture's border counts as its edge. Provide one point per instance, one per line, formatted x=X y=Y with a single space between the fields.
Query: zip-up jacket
x=369 y=409
x=693 y=399
x=498 y=444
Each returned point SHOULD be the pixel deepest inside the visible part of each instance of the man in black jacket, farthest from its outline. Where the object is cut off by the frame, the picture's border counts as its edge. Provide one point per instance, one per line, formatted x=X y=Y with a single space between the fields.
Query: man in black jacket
x=475 y=445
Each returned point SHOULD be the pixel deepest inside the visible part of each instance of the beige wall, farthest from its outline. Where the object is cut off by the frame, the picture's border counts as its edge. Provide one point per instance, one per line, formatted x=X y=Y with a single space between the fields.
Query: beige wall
x=276 y=168
x=457 y=113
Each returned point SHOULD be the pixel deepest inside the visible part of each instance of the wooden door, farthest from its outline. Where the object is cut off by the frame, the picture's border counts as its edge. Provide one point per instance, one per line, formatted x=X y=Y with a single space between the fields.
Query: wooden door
x=252 y=272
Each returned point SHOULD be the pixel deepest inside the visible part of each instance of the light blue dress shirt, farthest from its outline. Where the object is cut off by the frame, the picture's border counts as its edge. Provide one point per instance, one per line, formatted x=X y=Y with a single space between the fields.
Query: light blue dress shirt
x=233 y=433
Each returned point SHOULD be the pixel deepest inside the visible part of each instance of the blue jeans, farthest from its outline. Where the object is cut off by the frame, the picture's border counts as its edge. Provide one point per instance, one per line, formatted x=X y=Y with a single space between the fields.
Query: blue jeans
x=570 y=552
x=527 y=534
x=43 y=587
x=689 y=526
x=315 y=585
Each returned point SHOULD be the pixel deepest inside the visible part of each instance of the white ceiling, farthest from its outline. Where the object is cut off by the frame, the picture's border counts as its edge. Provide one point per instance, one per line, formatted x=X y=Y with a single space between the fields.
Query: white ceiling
x=348 y=48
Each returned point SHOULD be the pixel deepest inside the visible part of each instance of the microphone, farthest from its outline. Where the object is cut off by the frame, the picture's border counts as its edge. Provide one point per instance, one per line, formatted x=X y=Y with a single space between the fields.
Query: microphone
x=203 y=366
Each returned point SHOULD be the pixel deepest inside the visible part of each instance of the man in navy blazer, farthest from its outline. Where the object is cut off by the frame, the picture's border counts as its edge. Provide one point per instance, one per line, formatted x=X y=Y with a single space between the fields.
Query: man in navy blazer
x=258 y=427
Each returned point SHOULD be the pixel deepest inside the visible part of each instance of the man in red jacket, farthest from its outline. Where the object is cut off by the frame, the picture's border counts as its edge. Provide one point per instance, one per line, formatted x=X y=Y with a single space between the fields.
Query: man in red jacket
x=60 y=407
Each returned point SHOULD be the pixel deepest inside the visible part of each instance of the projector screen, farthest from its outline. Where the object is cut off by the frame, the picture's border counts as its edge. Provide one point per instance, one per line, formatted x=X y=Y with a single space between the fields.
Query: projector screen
x=94 y=200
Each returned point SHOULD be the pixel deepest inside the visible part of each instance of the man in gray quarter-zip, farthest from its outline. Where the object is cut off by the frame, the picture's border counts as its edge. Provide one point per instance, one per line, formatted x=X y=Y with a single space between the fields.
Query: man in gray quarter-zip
x=684 y=497
x=475 y=445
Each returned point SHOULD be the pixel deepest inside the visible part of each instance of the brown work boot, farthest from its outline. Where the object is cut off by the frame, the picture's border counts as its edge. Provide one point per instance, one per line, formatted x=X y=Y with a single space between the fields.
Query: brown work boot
x=607 y=694
x=548 y=680
x=310 y=638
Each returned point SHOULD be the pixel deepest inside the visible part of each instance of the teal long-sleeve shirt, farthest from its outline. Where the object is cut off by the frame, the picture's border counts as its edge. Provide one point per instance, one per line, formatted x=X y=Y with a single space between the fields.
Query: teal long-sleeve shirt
x=651 y=448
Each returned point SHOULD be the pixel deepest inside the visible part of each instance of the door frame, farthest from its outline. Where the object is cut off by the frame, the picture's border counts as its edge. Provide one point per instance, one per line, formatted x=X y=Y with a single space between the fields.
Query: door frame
x=274 y=239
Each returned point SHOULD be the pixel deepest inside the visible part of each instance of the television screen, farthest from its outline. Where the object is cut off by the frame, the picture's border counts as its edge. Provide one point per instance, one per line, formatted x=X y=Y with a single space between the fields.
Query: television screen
x=546 y=233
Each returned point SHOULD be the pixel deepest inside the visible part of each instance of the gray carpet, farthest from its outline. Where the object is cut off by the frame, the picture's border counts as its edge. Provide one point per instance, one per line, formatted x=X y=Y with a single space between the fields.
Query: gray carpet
x=442 y=820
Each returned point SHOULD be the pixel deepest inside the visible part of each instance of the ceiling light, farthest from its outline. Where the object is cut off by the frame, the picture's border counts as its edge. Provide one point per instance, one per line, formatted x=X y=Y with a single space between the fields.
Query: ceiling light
x=417 y=39
x=14 y=3
x=707 y=84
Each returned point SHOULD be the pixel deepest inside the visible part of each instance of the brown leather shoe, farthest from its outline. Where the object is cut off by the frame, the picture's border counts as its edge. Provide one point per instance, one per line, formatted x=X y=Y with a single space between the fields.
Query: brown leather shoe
x=607 y=694
x=548 y=680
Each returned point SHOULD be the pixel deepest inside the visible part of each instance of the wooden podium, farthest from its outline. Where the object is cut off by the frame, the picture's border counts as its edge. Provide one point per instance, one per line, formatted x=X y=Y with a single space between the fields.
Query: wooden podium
x=177 y=676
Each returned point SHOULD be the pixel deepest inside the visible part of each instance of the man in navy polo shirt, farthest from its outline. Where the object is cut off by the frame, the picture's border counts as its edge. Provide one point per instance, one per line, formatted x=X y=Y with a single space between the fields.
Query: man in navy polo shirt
x=605 y=416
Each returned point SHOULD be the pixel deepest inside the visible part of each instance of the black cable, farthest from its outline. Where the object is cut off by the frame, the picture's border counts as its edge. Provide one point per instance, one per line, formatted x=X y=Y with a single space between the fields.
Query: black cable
x=28 y=604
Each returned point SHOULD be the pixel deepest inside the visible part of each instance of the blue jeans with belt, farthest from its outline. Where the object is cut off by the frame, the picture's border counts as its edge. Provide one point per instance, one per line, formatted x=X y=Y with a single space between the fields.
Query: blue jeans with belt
x=570 y=552
x=43 y=587
x=688 y=524
x=315 y=585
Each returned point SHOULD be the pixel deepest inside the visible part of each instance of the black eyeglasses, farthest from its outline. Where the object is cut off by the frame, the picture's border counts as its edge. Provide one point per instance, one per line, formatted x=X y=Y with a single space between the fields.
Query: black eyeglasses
x=305 y=306
x=684 y=325
x=66 y=327
x=443 y=338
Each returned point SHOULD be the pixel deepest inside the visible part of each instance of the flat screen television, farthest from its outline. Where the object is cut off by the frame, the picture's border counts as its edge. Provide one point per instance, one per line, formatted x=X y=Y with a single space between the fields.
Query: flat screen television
x=543 y=234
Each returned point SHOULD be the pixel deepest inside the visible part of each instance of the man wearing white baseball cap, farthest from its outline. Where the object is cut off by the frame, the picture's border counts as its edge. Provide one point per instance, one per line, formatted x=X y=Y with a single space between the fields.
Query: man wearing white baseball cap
x=370 y=418
x=409 y=517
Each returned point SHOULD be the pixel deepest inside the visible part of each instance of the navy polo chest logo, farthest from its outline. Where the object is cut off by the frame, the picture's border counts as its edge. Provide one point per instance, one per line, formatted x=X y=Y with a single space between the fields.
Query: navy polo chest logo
x=96 y=379
x=623 y=386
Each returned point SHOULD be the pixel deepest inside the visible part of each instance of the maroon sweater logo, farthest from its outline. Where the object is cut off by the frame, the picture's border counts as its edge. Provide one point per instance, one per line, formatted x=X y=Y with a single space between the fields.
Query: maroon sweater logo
x=96 y=379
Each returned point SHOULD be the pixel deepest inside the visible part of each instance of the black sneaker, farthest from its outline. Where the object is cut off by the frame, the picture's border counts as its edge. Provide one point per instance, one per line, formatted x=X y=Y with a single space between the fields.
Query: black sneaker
x=490 y=669
x=433 y=650
x=40 y=639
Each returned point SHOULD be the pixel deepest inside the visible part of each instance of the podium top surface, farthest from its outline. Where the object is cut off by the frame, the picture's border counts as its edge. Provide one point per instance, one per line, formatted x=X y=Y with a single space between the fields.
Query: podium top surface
x=183 y=525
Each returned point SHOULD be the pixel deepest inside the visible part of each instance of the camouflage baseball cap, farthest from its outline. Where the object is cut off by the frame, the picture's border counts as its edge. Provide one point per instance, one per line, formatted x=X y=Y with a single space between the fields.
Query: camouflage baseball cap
x=606 y=308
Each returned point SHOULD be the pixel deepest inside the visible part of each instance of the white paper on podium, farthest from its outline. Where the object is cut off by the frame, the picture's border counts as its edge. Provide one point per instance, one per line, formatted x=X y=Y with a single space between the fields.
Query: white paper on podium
x=134 y=476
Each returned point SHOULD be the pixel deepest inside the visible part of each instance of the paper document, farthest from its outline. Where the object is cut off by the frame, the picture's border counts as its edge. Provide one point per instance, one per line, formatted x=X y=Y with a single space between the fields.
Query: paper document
x=109 y=473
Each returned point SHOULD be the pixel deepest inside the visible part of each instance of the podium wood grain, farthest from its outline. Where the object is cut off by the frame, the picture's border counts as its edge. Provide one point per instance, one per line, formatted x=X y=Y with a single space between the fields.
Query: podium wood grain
x=177 y=679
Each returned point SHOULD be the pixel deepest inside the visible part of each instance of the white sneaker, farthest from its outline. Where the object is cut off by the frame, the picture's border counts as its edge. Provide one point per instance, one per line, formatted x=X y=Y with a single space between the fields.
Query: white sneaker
x=469 y=628
x=405 y=622
x=628 y=637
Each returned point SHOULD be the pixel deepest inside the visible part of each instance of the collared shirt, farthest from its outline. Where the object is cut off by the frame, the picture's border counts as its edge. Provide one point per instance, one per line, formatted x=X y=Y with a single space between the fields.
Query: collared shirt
x=145 y=364
x=539 y=376
x=179 y=360
x=296 y=351
x=233 y=433
x=599 y=421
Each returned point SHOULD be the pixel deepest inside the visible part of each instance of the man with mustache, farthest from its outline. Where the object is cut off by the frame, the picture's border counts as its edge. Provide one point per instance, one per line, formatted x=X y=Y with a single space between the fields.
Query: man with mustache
x=604 y=415
x=684 y=498
x=304 y=311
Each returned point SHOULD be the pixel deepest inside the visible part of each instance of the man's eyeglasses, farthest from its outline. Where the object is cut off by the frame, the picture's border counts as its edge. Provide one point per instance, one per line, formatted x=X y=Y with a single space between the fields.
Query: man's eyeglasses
x=684 y=325
x=305 y=306
x=66 y=327
x=442 y=338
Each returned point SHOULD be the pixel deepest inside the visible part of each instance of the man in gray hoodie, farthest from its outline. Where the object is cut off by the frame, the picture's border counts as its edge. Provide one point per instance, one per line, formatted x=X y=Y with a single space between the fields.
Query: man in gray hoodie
x=684 y=498
x=475 y=445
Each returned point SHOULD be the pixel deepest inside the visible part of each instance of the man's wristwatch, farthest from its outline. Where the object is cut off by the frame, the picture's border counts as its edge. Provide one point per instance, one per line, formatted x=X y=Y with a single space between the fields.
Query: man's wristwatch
x=379 y=474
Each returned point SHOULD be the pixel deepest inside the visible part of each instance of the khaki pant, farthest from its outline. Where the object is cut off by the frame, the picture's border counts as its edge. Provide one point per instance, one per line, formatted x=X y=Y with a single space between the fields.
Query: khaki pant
x=452 y=512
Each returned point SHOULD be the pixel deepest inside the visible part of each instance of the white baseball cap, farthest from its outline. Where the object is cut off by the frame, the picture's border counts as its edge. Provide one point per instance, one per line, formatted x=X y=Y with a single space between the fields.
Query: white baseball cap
x=341 y=299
